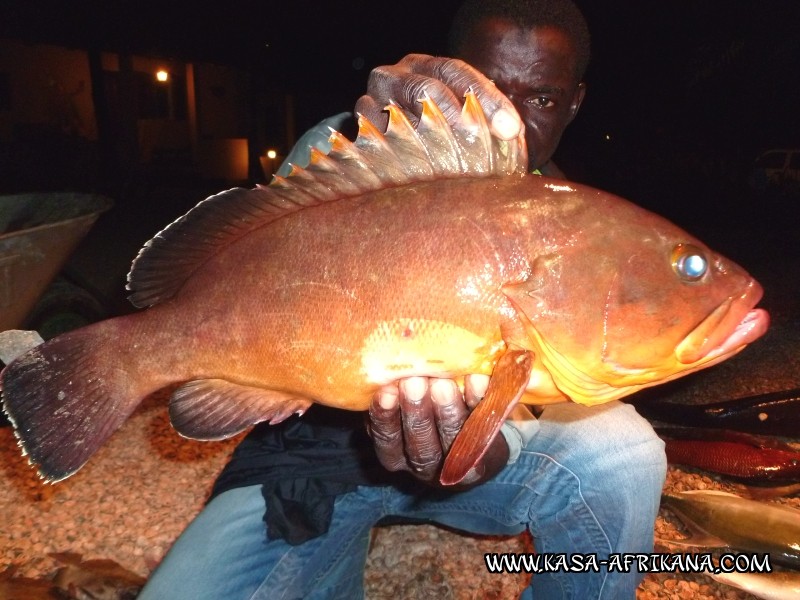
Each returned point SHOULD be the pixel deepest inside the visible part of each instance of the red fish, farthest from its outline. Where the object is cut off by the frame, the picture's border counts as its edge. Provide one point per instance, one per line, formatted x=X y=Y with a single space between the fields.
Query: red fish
x=423 y=251
x=736 y=459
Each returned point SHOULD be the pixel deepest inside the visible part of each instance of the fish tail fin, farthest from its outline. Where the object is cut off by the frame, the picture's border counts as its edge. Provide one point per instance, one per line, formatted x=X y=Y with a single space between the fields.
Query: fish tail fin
x=67 y=396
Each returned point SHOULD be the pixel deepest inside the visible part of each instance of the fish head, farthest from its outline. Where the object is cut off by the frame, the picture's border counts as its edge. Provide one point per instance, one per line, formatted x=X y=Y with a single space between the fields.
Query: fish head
x=628 y=300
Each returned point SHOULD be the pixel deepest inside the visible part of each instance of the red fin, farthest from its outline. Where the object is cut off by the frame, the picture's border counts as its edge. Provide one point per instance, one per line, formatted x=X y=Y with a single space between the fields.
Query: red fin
x=66 y=397
x=215 y=409
x=509 y=380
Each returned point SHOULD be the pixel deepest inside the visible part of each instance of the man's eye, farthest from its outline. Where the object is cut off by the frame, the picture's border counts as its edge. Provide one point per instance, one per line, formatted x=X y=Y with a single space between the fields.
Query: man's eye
x=539 y=102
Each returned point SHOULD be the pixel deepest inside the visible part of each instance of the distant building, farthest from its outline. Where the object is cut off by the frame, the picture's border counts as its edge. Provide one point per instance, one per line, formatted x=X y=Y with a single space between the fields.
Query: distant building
x=67 y=116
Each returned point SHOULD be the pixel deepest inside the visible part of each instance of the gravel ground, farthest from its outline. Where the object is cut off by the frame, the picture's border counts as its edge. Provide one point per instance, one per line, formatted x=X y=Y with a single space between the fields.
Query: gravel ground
x=131 y=501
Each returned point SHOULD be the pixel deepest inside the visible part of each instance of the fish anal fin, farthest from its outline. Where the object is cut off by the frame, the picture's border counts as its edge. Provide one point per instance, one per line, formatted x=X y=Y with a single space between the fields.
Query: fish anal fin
x=506 y=386
x=216 y=409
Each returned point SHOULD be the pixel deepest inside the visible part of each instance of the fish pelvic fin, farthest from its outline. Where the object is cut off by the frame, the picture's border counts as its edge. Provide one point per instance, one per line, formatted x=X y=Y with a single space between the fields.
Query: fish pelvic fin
x=65 y=398
x=216 y=409
x=506 y=386
x=437 y=148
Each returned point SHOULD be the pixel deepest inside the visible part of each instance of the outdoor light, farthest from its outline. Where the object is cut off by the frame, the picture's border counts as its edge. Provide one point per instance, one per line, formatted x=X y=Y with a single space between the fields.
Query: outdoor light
x=162 y=75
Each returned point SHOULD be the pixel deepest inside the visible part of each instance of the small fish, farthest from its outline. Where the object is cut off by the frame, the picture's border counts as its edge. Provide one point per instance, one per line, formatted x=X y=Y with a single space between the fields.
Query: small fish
x=775 y=413
x=778 y=585
x=746 y=458
x=422 y=251
x=722 y=520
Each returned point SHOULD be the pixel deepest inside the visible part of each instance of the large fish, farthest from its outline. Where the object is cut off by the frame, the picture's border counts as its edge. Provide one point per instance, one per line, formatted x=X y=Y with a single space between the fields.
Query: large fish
x=423 y=251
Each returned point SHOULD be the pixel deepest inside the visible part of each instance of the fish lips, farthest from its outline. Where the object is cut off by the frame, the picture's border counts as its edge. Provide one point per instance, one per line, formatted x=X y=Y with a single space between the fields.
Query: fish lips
x=729 y=328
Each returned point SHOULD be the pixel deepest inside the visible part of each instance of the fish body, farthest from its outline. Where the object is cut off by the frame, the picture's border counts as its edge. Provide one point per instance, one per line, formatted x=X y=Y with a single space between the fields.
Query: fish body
x=774 y=413
x=417 y=252
x=740 y=461
x=778 y=585
x=749 y=458
x=721 y=520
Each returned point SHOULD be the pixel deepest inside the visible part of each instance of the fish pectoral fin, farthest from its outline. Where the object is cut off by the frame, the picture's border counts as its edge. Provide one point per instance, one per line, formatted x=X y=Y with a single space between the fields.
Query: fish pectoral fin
x=216 y=409
x=506 y=386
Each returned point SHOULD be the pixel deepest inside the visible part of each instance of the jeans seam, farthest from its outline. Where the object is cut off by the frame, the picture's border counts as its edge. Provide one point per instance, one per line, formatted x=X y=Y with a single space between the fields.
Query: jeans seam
x=597 y=526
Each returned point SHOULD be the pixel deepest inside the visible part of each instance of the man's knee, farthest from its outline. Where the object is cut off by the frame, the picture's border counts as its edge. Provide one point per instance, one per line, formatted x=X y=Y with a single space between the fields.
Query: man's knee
x=610 y=445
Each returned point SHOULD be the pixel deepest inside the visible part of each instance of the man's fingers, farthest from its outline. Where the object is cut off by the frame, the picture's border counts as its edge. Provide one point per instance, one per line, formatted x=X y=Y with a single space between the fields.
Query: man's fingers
x=423 y=449
x=406 y=89
x=450 y=410
x=446 y=81
x=386 y=428
x=373 y=111
x=475 y=389
x=504 y=122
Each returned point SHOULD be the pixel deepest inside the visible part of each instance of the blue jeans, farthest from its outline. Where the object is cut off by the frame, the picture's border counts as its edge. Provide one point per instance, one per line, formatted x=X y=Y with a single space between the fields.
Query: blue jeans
x=588 y=482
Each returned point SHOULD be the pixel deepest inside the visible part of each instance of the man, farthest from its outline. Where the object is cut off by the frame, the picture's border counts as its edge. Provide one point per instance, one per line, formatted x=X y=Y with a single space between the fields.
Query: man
x=581 y=480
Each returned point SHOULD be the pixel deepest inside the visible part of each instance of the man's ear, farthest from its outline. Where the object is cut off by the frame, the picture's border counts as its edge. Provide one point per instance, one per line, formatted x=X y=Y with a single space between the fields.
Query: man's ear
x=577 y=100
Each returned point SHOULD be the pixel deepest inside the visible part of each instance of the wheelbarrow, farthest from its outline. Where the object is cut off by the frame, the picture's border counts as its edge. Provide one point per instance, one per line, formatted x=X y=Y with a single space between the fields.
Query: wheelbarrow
x=38 y=232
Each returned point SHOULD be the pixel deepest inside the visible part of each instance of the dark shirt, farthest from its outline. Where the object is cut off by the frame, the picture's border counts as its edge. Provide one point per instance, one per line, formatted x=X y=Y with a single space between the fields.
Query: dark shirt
x=302 y=464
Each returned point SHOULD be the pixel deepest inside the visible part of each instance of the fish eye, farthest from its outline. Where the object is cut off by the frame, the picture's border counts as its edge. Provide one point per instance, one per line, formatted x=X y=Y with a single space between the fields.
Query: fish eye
x=689 y=262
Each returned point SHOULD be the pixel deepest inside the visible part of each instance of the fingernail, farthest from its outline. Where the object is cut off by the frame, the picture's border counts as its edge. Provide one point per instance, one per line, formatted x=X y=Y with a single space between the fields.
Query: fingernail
x=414 y=388
x=505 y=124
x=478 y=385
x=387 y=397
x=443 y=392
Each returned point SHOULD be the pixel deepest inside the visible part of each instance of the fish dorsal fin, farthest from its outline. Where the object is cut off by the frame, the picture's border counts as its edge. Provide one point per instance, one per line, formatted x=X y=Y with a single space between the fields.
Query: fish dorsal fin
x=401 y=155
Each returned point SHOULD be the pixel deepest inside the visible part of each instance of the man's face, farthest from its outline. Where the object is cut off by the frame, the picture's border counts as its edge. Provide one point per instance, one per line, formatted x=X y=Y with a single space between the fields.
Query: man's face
x=536 y=69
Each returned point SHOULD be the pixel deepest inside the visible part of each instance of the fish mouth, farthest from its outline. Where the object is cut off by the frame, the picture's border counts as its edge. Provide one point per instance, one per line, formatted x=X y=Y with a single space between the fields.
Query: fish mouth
x=729 y=328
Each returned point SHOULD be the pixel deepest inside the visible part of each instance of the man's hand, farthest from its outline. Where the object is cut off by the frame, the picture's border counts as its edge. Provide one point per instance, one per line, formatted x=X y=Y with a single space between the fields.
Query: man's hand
x=414 y=423
x=446 y=81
